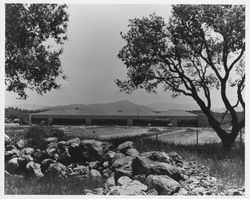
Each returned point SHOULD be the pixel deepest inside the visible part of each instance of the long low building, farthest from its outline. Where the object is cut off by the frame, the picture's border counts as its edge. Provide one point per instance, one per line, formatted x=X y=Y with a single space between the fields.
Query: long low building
x=118 y=117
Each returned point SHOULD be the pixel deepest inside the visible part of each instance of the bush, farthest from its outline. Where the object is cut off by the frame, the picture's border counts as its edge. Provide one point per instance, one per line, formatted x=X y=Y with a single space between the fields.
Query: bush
x=37 y=135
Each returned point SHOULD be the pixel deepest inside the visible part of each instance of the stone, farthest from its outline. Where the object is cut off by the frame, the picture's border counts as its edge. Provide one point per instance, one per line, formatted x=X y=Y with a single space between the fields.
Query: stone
x=94 y=164
x=122 y=172
x=61 y=144
x=22 y=143
x=11 y=154
x=199 y=190
x=45 y=164
x=91 y=150
x=182 y=192
x=141 y=178
x=81 y=170
x=152 y=192
x=57 y=170
x=34 y=170
x=64 y=156
x=39 y=156
x=105 y=164
x=124 y=146
x=175 y=157
x=95 y=175
x=163 y=184
x=51 y=151
x=50 y=139
x=7 y=140
x=127 y=160
x=157 y=156
x=132 y=152
x=123 y=181
x=109 y=156
x=142 y=165
x=12 y=165
x=9 y=147
x=74 y=142
x=28 y=150
x=23 y=161
x=110 y=182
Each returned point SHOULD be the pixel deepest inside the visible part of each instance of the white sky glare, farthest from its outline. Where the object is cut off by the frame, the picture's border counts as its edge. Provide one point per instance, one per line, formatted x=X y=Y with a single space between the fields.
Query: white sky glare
x=90 y=58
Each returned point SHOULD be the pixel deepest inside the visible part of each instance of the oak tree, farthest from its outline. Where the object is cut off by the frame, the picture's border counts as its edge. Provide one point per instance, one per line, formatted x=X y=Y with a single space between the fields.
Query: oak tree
x=30 y=62
x=202 y=47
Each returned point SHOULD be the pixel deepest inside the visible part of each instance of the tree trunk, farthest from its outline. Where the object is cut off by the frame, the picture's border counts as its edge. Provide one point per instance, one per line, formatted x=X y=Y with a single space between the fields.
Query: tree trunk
x=227 y=142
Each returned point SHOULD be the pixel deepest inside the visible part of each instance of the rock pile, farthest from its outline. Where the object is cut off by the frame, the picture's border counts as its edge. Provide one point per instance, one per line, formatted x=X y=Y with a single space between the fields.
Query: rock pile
x=120 y=171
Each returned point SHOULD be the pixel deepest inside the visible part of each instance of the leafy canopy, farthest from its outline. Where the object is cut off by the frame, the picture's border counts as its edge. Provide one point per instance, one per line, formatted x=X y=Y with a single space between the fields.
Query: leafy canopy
x=202 y=47
x=30 y=63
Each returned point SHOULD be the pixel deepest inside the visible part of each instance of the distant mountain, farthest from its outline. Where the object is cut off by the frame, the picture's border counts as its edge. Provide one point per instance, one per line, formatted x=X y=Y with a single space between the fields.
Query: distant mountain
x=221 y=110
x=169 y=106
x=121 y=107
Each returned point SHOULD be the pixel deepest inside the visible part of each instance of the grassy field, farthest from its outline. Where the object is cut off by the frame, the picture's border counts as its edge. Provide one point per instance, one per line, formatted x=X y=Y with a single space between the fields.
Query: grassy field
x=229 y=168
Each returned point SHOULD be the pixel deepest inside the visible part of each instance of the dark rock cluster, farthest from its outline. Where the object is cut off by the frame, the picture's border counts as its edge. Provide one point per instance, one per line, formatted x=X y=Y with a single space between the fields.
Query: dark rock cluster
x=121 y=170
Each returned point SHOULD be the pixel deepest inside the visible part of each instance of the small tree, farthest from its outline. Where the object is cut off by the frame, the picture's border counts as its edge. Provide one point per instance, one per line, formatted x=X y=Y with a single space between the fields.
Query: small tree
x=29 y=61
x=201 y=48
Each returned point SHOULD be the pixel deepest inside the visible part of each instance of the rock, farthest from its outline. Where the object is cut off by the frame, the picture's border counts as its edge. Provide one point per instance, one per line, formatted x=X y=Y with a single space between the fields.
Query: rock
x=105 y=164
x=7 y=140
x=94 y=164
x=81 y=170
x=45 y=164
x=12 y=165
x=39 y=156
x=74 y=142
x=142 y=165
x=50 y=139
x=163 y=184
x=122 y=172
x=132 y=152
x=127 y=160
x=11 y=154
x=123 y=181
x=33 y=170
x=10 y=147
x=182 y=192
x=110 y=182
x=23 y=161
x=131 y=188
x=152 y=192
x=199 y=190
x=109 y=156
x=91 y=150
x=124 y=146
x=106 y=147
x=22 y=143
x=95 y=175
x=157 y=156
x=175 y=157
x=51 y=151
x=64 y=156
x=57 y=170
x=61 y=144
x=141 y=178
x=27 y=150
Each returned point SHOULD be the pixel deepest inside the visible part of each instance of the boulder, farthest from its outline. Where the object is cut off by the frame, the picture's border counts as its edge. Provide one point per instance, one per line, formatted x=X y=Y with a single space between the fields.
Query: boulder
x=122 y=172
x=95 y=175
x=22 y=143
x=157 y=156
x=163 y=184
x=74 y=142
x=129 y=187
x=45 y=164
x=57 y=170
x=109 y=156
x=110 y=182
x=7 y=140
x=50 y=139
x=64 y=156
x=123 y=181
x=174 y=156
x=91 y=150
x=11 y=154
x=152 y=192
x=105 y=164
x=33 y=170
x=142 y=165
x=132 y=152
x=121 y=162
x=124 y=146
x=94 y=164
x=12 y=166
x=27 y=150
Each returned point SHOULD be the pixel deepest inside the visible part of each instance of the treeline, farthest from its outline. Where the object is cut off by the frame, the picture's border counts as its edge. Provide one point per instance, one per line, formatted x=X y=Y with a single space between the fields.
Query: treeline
x=14 y=112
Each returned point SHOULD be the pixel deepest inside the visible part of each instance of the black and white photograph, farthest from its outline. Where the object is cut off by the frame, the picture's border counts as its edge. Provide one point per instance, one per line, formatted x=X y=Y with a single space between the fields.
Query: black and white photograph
x=143 y=99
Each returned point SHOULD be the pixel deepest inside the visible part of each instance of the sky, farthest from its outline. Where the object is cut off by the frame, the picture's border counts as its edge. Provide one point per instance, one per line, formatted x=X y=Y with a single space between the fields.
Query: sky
x=90 y=59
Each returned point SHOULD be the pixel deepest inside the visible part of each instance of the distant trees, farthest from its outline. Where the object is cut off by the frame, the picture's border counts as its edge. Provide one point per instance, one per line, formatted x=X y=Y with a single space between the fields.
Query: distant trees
x=201 y=48
x=30 y=63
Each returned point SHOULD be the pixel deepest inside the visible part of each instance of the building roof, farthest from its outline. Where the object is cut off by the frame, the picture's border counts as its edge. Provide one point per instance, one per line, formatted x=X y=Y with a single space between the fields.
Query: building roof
x=119 y=112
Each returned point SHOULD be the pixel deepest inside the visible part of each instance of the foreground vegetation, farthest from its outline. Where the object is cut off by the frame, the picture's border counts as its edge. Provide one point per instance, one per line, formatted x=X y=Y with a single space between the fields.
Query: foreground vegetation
x=227 y=167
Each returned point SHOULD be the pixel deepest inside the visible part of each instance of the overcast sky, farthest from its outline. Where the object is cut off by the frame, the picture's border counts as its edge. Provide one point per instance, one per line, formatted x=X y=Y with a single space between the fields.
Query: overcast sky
x=90 y=58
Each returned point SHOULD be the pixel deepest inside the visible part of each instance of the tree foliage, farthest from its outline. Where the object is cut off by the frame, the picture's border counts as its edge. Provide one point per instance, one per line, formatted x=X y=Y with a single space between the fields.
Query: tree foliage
x=30 y=63
x=200 y=49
